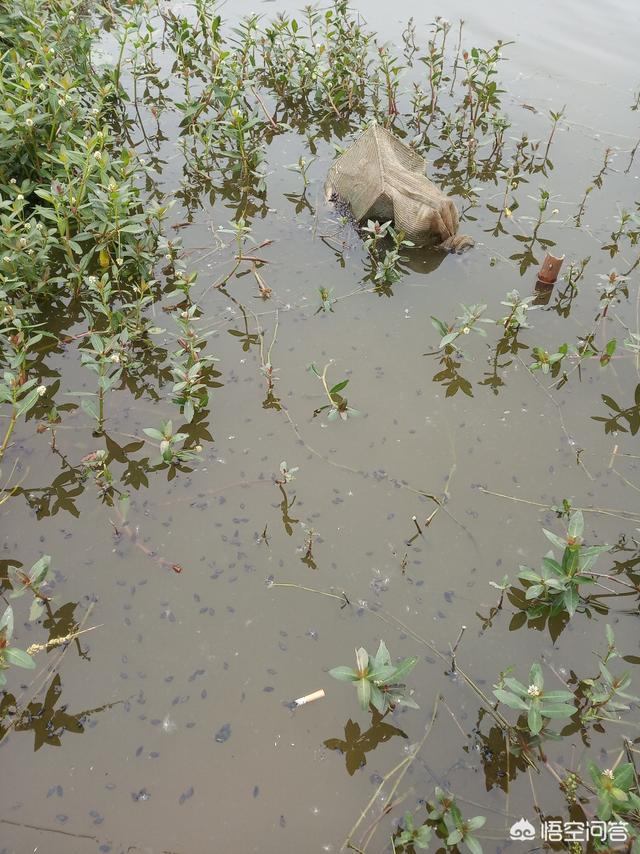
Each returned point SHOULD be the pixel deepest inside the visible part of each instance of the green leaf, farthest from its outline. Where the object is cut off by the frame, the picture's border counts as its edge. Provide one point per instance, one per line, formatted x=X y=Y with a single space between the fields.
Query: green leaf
x=515 y=686
x=382 y=675
x=448 y=339
x=344 y=674
x=557 y=710
x=623 y=776
x=422 y=837
x=153 y=433
x=382 y=656
x=19 y=657
x=571 y=599
x=6 y=623
x=510 y=700
x=402 y=700
x=553 y=566
x=404 y=668
x=362 y=660
x=535 y=675
x=555 y=539
x=473 y=844
x=576 y=525
x=439 y=326
x=338 y=387
x=454 y=837
x=378 y=699
x=364 y=693
x=36 y=610
x=557 y=696
x=534 y=719
x=189 y=412
x=619 y=795
x=89 y=408
x=39 y=570
x=527 y=574
x=124 y=504
x=595 y=772
x=476 y=822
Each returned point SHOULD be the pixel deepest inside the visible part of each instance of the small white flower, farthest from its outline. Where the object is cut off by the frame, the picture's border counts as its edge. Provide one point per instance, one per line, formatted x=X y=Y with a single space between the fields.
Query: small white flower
x=71 y=16
x=28 y=123
x=7 y=259
x=97 y=155
x=533 y=691
x=62 y=102
x=608 y=773
x=115 y=357
x=92 y=280
x=29 y=64
x=13 y=181
x=198 y=449
x=22 y=242
x=184 y=315
x=466 y=330
x=119 y=261
x=42 y=87
x=20 y=197
x=42 y=390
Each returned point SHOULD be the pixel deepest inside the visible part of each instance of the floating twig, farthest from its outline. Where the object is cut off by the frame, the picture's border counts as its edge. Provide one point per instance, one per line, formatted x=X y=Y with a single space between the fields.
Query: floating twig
x=309 y=698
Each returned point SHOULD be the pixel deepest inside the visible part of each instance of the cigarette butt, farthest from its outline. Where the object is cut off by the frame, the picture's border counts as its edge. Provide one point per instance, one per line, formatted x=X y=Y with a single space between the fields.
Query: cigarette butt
x=317 y=695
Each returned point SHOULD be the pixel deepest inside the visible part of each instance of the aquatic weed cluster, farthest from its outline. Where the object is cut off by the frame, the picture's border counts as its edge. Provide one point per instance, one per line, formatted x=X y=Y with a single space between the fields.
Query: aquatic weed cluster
x=90 y=268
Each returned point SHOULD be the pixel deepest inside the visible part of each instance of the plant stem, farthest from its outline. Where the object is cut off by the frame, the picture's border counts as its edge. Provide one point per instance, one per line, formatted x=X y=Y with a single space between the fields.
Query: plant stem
x=7 y=435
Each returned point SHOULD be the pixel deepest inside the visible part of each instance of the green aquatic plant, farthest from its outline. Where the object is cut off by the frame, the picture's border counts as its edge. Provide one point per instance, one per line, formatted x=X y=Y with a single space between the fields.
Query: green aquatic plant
x=548 y=362
x=518 y=307
x=534 y=700
x=417 y=837
x=465 y=323
x=338 y=406
x=606 y=695
x=386 y=265
x=32 y=581
x=555 y=588
x=10 y=654
x=614 y=790
x=168 y=440
x=377 y=680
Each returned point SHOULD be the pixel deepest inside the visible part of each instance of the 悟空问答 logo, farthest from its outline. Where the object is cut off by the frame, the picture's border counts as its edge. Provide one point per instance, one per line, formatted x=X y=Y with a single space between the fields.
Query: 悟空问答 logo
x=522 y=831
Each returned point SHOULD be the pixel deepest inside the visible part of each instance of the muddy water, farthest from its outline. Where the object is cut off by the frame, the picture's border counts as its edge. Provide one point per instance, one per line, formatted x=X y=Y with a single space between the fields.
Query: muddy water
x=171 y=731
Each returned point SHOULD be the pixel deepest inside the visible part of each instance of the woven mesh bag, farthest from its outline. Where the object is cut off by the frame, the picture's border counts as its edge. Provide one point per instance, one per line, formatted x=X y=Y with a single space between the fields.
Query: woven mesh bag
x=383 y=179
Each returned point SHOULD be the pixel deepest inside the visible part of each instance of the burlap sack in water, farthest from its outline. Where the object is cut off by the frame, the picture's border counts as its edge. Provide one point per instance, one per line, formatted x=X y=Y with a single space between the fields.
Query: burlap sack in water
x=383 y=179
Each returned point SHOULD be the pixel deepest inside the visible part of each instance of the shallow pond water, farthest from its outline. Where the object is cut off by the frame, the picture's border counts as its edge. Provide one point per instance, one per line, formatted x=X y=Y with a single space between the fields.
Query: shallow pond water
x=171 y=732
